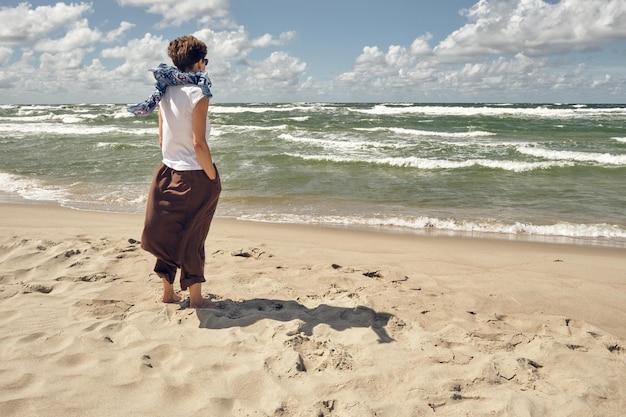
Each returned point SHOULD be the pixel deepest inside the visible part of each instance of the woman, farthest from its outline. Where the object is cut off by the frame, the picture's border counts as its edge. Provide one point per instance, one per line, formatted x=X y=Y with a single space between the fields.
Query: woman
x=186 y=186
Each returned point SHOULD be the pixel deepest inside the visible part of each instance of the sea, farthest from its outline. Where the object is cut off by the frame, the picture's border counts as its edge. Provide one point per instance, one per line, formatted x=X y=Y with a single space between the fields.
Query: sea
x=539 y=172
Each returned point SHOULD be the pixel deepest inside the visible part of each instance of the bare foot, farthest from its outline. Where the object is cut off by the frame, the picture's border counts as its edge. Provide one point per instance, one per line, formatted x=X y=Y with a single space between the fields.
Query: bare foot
x=196 y=300
x=171 y=298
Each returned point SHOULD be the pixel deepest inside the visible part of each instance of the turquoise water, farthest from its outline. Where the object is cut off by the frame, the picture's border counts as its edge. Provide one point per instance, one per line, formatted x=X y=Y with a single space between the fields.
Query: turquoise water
x=537 y=171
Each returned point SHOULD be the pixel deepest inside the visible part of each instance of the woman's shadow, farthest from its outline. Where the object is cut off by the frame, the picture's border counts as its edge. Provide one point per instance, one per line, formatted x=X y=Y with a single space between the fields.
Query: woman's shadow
x=247 y=312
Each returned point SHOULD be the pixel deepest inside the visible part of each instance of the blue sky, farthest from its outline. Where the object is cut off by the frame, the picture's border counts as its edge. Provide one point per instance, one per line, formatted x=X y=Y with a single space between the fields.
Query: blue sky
x=320 y=51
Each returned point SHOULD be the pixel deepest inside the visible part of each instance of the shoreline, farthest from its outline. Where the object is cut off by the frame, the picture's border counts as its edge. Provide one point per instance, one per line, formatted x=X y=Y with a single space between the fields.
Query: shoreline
x=314 y=320
x=45 y=217
x=602 y=242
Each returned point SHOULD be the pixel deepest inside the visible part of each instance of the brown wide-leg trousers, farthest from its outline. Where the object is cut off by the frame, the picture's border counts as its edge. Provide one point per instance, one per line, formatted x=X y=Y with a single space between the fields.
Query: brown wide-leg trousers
x=180 y=208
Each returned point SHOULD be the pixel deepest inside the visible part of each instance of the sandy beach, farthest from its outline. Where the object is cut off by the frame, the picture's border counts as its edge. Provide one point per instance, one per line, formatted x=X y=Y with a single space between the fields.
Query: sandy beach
x=313 y=322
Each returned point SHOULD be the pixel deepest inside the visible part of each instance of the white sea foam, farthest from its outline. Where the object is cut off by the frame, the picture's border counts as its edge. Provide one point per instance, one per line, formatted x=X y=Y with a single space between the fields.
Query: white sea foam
x=24 y=119
x=435 y=225
x=34 y=108
x=31 y=189
x=436 y=164
x=333 y=143
x=70 y=119
x=620 y=140
x=486 y=110
x=242 y=129
x=337 y=143
x=64 y=118
x=260 y=128
x=600 y=158
x=122 y=114
x=559 y=229
x=72 y=129
x=428 y=133
x=67 y=114
x=283 y=108
x=118 y=145
x=248 y=109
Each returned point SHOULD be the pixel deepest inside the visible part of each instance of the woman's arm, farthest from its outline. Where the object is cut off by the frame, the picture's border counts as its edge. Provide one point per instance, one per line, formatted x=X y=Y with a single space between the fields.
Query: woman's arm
x=200 y=145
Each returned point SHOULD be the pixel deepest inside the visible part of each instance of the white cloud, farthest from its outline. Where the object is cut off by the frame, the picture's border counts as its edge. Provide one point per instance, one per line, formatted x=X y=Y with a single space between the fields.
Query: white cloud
x=395 y=66
x=226 y=45
x=147 y=49
x=236 y=44
x=507 y=47
x=599 y=82
x=54 y=42
x=79 y=36
x=514 y=74
x=5 y=54
x=279 y=69
x=401 y=74
x=420 y=45
x=525 y=49
x=59 y=62
x=228 y=49
x=268 y=40
x=278 y=77
x=177 y=12
x=115 y=34
x=371 y=58
x=61 y=55
x=139 y=55
x=536 y=28
x=22 y=24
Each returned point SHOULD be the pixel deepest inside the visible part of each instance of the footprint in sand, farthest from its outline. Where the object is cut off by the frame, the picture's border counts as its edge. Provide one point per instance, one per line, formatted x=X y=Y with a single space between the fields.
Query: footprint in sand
x=166 y=360
x=40 y=288
x=392 y=277
x=320 y=355
x=100 y=309
x=254 y=253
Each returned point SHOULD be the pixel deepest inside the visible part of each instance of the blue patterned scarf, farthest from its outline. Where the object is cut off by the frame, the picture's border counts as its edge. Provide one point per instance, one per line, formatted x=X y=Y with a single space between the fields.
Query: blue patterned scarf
x=166 y=76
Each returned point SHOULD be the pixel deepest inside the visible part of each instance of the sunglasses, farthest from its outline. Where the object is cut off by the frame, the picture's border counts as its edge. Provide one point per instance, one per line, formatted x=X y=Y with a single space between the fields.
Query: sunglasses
x=206 y=61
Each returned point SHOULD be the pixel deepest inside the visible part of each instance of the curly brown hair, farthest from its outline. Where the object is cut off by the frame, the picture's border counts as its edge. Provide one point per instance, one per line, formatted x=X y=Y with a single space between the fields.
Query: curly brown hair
x=185 y=51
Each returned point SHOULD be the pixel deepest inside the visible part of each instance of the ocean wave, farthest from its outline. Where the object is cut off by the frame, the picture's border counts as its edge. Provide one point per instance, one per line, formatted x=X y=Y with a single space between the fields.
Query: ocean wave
x=333 y=143
x=65 y=113
x=117 y=146
x=252 y=109
x=63 y=118
x=277 y=108
x=73 y=130
x=486 y=110
x=30 y=109
x=251 y=128
x=558 y=229
x=428 y=133
x=79 y=195
x=435 y=225
x=30 y=119
x=599 y=158
x=31 y=188
x=437 y=164
x=620 y=140
x=345 y=142
x=122 y=114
